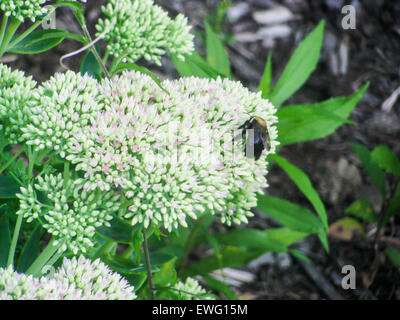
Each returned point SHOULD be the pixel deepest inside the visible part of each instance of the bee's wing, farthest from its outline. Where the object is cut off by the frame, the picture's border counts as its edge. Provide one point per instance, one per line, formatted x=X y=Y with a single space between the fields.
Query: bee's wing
x=262 y=137
x=266 y=141
x=259 y=136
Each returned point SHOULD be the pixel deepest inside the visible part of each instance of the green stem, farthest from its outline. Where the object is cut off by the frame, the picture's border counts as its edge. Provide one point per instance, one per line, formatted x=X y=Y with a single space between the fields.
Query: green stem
x=54 y=258
x=11 y=160
x=66 y=173
x=3 y=28
x=93 y=48
x=17 y=228
x=105 y=58
x=41 y=155
x=127 y=252
x=148 y=265
x=44 y=257
x=104 y=249
x=31 y=161
x=12 y=28
x=114 y=64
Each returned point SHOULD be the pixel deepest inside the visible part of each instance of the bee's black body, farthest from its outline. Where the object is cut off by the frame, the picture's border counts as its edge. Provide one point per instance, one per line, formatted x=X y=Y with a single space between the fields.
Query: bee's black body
x=261 y=135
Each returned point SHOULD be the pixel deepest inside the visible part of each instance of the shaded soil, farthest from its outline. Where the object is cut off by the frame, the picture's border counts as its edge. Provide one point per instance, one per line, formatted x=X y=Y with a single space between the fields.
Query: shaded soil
x=373 y=55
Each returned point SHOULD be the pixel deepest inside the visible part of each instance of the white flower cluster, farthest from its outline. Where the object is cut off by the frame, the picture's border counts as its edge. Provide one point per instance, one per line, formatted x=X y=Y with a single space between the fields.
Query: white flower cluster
x=76 y=279
x=139 y=28
x=169 y=155
x=156 y=148
x=15 y=94
x=21 y=9
x=68 y=212
x=58 y=107
x=191 y=290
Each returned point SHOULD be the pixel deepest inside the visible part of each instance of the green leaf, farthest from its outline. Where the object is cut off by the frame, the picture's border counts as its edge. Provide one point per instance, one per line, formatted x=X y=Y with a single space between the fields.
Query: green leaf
x=323 y=237
x=265 y=82
x=276 y=240
x=159 y=258
x=30 y=251
x=8 y=187
x=39 y=41
x=346 y=229
x=394 y=206
x=213 y=242
x=300 y=255
x=394 y=256
x=137 y=240
x=136 y=279
x=299 y=123
x=119 y=231
x=383 y=157
x=72 y=4
x=91 y=66
x=301 y=64
x=376 y=175
x=5 y=239
x=167 y=274
x=126 y=266
x=228 y=257
x=304 y=184
x=3 y=209
x=362 y=209
x=194 y=65
x=217 y=56
x=285 y=236
x=136 y=275
x=220 y=286
x=144 y=70
x=291 y=215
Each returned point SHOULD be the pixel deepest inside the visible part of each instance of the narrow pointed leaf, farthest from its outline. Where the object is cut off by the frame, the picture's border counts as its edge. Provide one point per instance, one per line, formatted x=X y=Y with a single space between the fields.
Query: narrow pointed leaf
x=300 y=66
x=30 y=251
x=39 y=41
x=5 y=239
x=90 y=66
x=291 y=215
x=375 y=173
x=265 y=82
x=217 y=56
x=383 y=157
x=304 y=184
x=299 y=123
x=194 y=65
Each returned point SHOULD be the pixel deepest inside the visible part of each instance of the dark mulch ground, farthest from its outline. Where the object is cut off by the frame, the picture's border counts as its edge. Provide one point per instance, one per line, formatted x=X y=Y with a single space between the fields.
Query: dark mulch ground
x=373 y=55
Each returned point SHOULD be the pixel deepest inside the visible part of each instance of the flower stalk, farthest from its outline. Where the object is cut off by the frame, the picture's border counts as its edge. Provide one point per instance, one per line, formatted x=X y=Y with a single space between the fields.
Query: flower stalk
x=14 y=241
x=52 y=247
x=148 y=264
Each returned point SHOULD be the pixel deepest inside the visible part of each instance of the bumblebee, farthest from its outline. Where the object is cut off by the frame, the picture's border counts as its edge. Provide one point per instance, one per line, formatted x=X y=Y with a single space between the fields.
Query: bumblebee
x=261 y=136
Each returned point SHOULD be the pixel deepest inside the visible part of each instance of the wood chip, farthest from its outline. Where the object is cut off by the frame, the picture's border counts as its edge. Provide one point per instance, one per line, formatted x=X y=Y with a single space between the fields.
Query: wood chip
x=389 y=102
x=237 y=11
x=274 y=32
x=275 y=15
